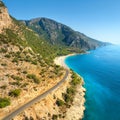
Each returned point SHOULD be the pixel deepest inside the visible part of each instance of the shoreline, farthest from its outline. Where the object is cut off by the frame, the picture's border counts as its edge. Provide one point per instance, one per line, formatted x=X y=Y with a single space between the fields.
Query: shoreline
x=76 y=111
x=61 y=60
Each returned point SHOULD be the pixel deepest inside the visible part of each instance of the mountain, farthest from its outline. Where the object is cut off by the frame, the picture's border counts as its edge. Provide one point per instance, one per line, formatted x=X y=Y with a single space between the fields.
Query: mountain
x=27 y=69
x=59 y=34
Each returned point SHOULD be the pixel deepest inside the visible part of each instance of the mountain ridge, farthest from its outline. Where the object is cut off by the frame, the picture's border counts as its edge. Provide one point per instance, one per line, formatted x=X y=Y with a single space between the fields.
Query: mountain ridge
x=58 y=33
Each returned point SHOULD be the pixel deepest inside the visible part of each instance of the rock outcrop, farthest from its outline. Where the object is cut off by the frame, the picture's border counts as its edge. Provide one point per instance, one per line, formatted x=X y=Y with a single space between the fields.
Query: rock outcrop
x=60 y=34
x=5 y=20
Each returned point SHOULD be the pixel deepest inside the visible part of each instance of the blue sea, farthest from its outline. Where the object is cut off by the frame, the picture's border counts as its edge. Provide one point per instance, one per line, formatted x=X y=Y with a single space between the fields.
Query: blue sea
x=101 y=72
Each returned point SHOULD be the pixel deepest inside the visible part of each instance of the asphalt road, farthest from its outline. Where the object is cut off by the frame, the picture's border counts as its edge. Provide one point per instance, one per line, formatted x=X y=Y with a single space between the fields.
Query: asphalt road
x=38 y=98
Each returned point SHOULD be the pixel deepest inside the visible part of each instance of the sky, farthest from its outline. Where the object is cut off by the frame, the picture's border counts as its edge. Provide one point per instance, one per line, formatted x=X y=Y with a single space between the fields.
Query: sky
x=98 y=19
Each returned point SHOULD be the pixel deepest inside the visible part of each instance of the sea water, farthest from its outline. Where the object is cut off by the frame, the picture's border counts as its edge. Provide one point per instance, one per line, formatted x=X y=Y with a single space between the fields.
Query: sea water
x=101 y=72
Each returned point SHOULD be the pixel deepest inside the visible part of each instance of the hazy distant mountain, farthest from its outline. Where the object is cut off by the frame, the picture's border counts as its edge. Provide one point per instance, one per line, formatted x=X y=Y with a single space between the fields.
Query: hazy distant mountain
x=57 y=33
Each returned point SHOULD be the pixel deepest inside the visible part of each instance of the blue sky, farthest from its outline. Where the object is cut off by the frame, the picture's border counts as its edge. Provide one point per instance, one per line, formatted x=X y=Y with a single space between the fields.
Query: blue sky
x=99 y=19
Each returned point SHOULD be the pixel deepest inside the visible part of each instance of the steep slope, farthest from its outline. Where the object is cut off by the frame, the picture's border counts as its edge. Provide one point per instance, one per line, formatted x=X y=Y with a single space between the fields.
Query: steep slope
x=59 y=34
x=26 y=67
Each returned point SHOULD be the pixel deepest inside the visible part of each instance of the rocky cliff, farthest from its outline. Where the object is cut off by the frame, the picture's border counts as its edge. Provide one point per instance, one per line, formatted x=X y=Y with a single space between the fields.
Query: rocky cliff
x=5 y=20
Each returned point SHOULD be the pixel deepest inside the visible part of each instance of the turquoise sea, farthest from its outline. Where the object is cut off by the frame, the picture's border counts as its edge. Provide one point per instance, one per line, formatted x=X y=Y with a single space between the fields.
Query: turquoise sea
x=101 y=72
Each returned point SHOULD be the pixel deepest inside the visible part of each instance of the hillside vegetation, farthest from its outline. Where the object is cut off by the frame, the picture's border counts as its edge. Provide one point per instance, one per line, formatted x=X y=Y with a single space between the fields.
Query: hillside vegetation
x=26 y=63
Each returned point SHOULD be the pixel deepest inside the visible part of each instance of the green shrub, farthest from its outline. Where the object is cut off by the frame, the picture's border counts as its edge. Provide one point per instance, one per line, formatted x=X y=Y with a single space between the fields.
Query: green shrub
x=7 y=56
x=15 y=93
x=15 y=60
x=16 y=78
x=31 y=76
x=34 y=62
x=16 y=83
x=24 y=85
x=75 y=79
x=60 y=102
x=54 y=117
x=34 y=78
x=57 y=66
x=67 y=98
x=3 y=87
x=4 y=64
x=71 y=91
x=3 y=50
x=24 y=72
x=4 y=102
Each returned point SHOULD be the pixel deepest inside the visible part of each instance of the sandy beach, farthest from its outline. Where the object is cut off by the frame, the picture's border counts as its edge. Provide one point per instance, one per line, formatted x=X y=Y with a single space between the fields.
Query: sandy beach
x=61 y=61
x=76 y=111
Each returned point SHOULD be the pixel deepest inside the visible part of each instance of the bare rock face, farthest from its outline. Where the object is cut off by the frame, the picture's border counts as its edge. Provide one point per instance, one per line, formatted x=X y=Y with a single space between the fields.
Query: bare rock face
x=5 y=20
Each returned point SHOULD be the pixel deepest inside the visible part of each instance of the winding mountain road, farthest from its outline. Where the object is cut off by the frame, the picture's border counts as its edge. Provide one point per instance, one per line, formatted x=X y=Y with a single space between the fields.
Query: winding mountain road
x=38 y=98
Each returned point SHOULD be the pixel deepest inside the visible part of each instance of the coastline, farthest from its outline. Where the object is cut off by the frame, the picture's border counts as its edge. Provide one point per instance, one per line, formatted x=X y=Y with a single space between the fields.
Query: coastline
x=76 y=111
x=61 y=60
